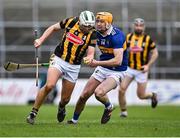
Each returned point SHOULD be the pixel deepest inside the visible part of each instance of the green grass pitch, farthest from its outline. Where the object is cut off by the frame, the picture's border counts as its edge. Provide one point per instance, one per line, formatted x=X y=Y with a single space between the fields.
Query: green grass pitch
x=164 y=121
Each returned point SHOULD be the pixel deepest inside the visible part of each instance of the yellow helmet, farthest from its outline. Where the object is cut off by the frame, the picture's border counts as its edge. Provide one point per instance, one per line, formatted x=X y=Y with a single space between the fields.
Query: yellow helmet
x=106 y=16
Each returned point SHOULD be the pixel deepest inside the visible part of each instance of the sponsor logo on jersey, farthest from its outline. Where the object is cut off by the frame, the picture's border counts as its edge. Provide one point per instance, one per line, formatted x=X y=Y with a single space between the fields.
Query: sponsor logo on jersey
x=74 y=39
x=136 y=49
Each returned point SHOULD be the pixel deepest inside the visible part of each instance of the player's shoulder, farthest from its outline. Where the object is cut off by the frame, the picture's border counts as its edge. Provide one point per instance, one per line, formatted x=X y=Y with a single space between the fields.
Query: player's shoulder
x=117 y=31
x=72 y=19
x=93 y=32
x=147 y=35
x=129 y=34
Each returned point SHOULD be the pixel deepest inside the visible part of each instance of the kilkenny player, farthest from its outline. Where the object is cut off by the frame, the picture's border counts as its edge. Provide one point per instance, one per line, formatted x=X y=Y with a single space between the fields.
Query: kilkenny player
x=79 y=37
x=142 y=53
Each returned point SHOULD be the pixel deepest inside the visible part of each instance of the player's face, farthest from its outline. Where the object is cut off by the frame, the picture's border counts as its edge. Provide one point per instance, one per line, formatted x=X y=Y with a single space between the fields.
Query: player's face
x=138 y=28
x=85 y=29
x=101 y=25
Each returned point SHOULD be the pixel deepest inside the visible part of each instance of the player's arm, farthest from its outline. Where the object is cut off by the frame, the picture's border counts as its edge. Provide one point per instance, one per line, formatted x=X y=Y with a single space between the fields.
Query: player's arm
x=116 y=61
x=153 y=57
x=49 y=31
x=46 y=34
x=117 y=42
x=90 y=55
x=91 y=49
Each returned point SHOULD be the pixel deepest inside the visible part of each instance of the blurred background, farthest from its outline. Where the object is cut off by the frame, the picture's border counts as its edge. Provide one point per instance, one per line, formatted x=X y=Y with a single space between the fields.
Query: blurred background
x=19 y=19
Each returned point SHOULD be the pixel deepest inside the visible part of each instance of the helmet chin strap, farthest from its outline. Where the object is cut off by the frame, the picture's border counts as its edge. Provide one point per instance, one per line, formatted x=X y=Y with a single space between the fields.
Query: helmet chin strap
x=104 y=32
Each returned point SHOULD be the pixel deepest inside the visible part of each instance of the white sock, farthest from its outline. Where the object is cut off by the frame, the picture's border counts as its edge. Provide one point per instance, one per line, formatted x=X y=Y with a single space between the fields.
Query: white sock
x=75 y=121
x=124 y=113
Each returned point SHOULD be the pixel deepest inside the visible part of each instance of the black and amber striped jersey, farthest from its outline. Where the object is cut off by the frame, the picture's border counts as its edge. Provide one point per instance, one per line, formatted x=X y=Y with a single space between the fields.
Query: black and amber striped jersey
x=139 y=48
x=74 y=42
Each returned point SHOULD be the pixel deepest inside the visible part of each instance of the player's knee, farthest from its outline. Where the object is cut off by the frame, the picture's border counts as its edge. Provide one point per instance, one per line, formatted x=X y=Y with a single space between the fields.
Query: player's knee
x=49 y=87
x=99 y=93
x=122 y=90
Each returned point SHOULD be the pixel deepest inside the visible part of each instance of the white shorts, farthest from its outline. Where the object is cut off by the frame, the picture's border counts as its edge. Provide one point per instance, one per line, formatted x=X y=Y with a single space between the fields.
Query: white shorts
x=70 y=72
x=101 y=74
x=138 y=75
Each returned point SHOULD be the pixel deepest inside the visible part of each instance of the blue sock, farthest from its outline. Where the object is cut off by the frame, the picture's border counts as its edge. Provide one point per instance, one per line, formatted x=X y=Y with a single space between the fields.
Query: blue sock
x=107 y=104
x=76 y=116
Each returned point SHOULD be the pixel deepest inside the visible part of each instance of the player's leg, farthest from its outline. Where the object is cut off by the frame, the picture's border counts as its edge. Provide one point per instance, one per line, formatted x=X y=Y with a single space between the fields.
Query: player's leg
x=52 y=78
x=70 y=77
x=122 y=97
x=87 y=92
x=142 y=79
x=100 y=94
x=142 y=94
x=66 y=92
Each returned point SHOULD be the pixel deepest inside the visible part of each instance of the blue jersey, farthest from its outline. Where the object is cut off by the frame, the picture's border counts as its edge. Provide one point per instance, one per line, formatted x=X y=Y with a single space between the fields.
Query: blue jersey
x=115 y=39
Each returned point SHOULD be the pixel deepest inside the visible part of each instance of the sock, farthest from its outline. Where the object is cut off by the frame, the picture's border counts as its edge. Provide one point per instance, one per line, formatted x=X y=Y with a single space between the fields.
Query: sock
x=74 y=121
x=61 y=106
x=123 y=110
x=34 y=110
x=107 y=105
x=124 y=114
x=75 y=117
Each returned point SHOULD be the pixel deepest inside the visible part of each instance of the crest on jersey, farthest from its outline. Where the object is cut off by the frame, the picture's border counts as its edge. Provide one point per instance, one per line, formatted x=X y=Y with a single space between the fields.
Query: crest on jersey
x=103 y=41
x=74 y=39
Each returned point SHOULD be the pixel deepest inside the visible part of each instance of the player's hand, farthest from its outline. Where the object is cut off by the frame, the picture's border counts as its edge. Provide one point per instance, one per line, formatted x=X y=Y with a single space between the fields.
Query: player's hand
x=94 y=63
x=87 y=60
x=37 y=43
x=145 y=68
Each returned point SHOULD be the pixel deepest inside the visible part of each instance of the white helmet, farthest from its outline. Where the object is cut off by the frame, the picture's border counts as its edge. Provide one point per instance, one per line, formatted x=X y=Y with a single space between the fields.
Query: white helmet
x=139 y=21
x=87 y=18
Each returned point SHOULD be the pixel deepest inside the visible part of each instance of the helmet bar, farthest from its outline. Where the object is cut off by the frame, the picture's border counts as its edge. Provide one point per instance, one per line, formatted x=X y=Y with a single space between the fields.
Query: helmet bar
x=139 y=21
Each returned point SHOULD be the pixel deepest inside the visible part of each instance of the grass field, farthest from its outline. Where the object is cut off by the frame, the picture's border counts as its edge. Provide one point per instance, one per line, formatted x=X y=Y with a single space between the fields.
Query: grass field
x=142 y=121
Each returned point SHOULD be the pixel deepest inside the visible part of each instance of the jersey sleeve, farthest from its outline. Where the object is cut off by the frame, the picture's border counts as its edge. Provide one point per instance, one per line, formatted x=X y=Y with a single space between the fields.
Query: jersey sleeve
x=152 y=44
x=118 y=40
x=93 y=39
x=64 y=22
x=125 y=45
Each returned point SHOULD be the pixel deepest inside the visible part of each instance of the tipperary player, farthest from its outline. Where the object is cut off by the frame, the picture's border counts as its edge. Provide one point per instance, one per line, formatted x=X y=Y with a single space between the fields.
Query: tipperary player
x=110 y=69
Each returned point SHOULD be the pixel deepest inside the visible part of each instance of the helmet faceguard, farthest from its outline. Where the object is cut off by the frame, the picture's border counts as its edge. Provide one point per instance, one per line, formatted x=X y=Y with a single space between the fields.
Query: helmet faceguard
x=139 y=21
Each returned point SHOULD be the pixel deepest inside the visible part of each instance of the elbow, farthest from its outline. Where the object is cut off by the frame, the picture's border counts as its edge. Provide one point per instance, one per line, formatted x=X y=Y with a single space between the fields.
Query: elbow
x=117 y=63
x=157 y=55
x=53 y=28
